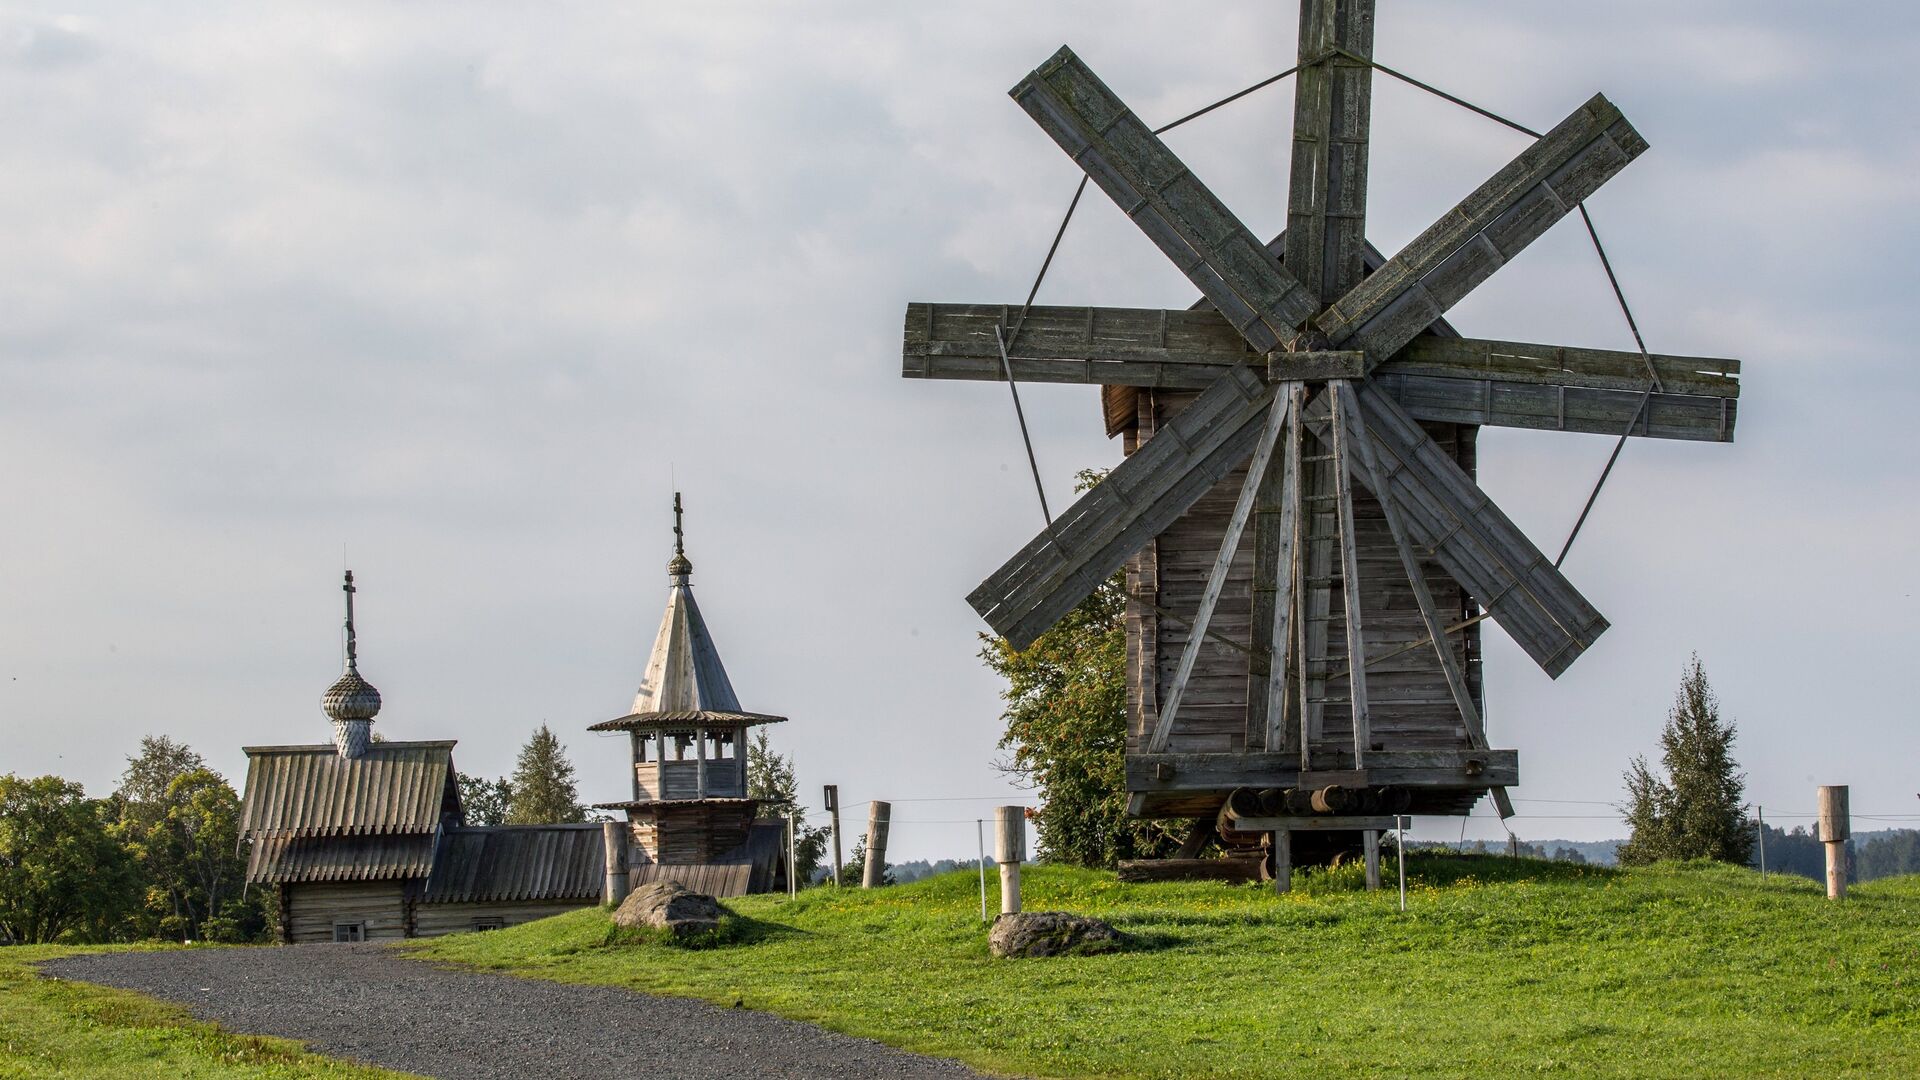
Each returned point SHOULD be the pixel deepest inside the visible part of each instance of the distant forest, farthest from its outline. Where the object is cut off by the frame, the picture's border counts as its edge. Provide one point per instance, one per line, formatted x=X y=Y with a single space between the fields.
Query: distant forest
x=1878 y=854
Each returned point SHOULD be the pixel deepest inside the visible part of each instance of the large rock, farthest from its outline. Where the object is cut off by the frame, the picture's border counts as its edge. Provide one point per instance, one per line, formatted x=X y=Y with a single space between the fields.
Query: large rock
x=1051 y=933
x=669 y=906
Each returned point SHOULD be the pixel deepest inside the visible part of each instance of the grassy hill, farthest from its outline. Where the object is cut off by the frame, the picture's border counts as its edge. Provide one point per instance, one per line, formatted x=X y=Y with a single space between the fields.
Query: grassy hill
x=1499 y=967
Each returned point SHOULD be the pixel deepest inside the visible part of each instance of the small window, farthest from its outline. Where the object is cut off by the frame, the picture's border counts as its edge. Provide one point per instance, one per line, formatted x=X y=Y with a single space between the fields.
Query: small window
x=349 y=931
x=489 y=924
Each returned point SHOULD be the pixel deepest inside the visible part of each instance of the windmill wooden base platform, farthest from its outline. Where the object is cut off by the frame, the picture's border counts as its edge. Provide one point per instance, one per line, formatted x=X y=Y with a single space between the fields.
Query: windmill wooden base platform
x=1307 y=556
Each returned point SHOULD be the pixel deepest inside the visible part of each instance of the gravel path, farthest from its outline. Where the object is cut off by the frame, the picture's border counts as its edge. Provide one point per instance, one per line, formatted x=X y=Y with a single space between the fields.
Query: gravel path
x=365 y=1003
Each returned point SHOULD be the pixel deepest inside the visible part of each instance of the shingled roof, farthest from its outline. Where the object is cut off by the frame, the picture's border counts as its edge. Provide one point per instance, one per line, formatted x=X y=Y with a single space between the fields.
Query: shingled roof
x=518 y=862
x=289 y=859
x=394 y=787
x=685 y=684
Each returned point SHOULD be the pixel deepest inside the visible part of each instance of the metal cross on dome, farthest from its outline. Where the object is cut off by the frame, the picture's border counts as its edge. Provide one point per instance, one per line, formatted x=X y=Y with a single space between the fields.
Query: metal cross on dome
x=1320 y=336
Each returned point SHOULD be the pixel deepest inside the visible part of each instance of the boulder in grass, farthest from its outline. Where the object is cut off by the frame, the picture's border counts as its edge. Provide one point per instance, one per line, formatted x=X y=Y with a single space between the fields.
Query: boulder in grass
x=670 y=906
x=1051 y=933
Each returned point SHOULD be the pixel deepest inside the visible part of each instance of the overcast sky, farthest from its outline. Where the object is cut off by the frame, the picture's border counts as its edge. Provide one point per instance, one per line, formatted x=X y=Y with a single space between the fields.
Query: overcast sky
x=456 y=295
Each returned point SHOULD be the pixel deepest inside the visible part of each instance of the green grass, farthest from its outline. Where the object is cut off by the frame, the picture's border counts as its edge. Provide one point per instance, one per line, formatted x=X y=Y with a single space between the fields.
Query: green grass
x=1500 y=967
x=56 y=1028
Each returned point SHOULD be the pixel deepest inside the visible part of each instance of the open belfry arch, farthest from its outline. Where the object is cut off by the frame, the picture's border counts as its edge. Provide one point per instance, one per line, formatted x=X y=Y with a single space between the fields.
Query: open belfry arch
x=1299 y=482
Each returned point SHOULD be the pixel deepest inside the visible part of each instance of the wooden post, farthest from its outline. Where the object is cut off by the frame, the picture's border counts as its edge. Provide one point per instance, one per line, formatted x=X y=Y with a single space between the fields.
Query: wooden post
x=1371 y=840
x=1282 y=860
x=639 y=744
x=980 y=839
x=873 y=875
x=613 y=837
x=1009 y=850
x=1835 y=828
x=1760 y=830
x=1400 y=853
x=700 y=762
x=833 y=807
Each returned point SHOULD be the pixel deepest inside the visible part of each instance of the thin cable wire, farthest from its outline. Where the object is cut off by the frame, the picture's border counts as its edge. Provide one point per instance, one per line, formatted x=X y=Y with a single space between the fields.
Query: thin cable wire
x=1653 y=376
x=1020 y=414
x=1233 y=97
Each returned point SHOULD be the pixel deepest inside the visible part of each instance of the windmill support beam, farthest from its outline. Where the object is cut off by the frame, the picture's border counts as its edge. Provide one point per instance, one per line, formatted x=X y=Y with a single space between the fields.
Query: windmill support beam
x=1461 y=768
x=1423 y=596
x=1337 y=394
x=1286 y=631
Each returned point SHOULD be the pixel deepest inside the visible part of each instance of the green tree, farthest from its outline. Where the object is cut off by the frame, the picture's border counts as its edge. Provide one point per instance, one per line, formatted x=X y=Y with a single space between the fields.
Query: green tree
x=485 y=801
x=1887 y=855
x=1698 y=809
x=542 y=791
x=149 y=773
x=180 y=822
x=63 y=875
x=1066 y=717
x=770 y=779
x=191 y=863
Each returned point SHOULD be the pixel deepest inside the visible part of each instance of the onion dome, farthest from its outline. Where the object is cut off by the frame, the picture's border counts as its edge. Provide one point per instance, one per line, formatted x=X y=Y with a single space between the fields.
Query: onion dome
x=351 y=698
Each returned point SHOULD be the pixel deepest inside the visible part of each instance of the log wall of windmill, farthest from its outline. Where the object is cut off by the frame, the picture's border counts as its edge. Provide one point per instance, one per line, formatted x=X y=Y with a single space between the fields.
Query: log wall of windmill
x=1410 y=705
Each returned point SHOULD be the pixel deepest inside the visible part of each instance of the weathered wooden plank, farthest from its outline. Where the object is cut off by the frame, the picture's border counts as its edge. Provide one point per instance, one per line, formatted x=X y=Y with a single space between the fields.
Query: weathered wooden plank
x=1141 y=497
x=1316 y=823
x=1166 y=200
x=1488 y=228
x=1326 y=248
x=1337 y=392
x=1456 y=380
x=1458 y=767
x=1563 y=365
x=1277 y=416
x=1188 y=349
x=1283 y=637
x=1234 y=871
x=1560 y=408
x=1327 y=188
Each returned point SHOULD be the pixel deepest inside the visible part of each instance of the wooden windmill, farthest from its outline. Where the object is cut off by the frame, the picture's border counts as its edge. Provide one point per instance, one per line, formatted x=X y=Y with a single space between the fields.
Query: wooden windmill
x=1316 y=396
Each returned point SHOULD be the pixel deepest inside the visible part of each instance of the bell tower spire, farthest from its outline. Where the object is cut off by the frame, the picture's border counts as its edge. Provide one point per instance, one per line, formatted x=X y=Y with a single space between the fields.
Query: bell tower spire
x=679 y=568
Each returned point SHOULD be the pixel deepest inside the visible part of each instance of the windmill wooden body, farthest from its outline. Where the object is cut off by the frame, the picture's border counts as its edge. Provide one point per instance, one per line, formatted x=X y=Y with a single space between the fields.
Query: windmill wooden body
x=1299 y=483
